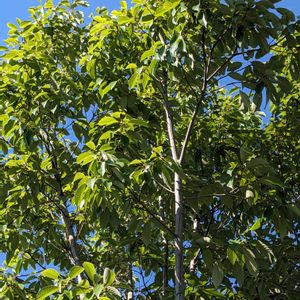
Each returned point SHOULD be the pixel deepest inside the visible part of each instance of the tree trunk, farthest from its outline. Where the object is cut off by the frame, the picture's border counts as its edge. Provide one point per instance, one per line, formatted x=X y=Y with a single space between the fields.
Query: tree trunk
x=194 y=260
x=130 y=283
x=179 y=272
x=165 y=269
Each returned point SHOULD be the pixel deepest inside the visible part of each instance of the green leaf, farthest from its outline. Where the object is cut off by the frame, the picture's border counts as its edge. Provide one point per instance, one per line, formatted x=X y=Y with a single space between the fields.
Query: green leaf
x=147 y=54
x=176 y=168
x=166 y=6
x=75 y=271
x=133 y=79
x=139 y=122
x=78 y=199
x=108 y=88
x=131 y=66
x=108 y=277
x=91 y=145
x=217 y=275
x=238 y=273
x=295 y=210
x=124 y=20
x=91 y=68
x=250 y=262
x=272 y=181
x=98 y=289
x=123 y=5
x=50 y=273
x=231 y=255
x=256 y=225
x=12 y=26
x=245 y=153
x=146 y=233
x=146 y=79
x=49 y=4
x=112 y=290
x=46 y=292
x=85 y=158
x=89 y=270
x=90 y=182
x=107 y=121
x=208 y=258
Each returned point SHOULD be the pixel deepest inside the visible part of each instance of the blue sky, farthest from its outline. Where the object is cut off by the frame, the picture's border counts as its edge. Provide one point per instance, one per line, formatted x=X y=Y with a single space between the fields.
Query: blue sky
x=11 y=9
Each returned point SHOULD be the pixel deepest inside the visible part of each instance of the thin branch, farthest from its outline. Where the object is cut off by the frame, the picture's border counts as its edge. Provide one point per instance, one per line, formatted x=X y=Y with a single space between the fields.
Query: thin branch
x=198 y=103
x=164 y=187
x=152 y=214
x=191 y=124
x=195 y=260
x=35 y=260
x=163 y=88
x=222 y=65
x=71 y=237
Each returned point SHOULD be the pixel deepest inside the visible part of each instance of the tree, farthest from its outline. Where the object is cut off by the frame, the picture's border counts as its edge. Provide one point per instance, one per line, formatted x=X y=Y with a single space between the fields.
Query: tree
x=135 y=144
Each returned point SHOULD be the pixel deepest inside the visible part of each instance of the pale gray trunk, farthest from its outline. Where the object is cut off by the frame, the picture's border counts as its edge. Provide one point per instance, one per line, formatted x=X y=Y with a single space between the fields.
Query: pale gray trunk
x=165 y=269
x=179 y=272
x=194 y=261
x=130 y=282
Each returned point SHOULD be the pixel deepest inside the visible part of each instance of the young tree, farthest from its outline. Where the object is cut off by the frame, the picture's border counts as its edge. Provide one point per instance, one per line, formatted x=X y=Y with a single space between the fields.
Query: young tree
x=136 y=143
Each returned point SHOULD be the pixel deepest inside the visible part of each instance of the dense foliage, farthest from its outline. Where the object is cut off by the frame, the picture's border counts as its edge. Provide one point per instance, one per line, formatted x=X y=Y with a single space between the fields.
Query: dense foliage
x=134 y=147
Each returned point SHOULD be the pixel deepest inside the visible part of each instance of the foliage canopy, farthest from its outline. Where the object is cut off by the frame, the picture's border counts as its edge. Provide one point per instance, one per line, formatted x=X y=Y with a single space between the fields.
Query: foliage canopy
x=133 y=147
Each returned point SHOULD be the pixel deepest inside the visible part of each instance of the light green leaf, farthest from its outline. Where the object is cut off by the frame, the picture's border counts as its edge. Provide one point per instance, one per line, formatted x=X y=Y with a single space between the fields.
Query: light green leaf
x=50 y=273
x=49 y=4
x=90 y=182
x=256 y=225
x=123 y=5
x=147 y=54
x=85 y=158
x=46 y=292
x=139 y=122
x=113 y=291
x=131 y=66
x=78 y=199
x=146 y=79
x=12 y=26
x=78 y=176
x=133 y=79
x=106 y=121
x=91 y=145
x=166 y=6
x=75 y=271
x=108 y=277
x=91 y=68
x=108 y=88
x=124 y=20
x=89 y=270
